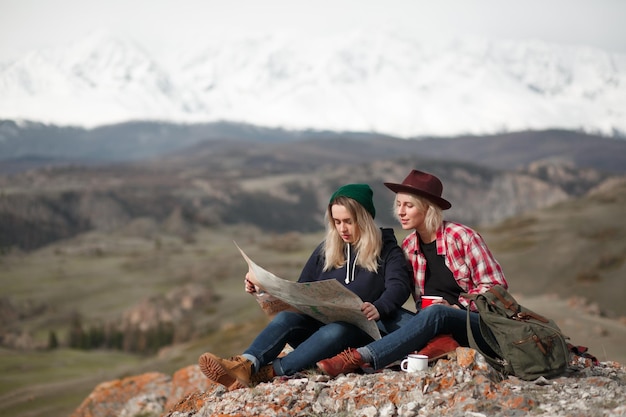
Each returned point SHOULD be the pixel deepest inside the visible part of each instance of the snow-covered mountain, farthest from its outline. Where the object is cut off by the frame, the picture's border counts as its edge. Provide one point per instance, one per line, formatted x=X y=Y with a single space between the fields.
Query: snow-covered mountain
x=376 y=82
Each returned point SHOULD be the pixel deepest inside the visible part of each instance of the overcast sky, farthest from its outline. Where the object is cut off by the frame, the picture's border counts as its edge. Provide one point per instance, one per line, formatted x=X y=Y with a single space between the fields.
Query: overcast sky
x=32 y=24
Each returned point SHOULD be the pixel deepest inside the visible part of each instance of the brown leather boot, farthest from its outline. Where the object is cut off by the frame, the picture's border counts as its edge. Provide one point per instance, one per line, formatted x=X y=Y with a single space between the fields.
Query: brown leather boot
x=265 y=374
x=347 y=361
x=233 y=373
x=439 y=346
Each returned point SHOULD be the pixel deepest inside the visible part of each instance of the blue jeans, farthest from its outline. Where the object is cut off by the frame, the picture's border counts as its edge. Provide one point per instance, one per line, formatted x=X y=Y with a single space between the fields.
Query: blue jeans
x=419 y=329
x=394 y=321
x=311 y=339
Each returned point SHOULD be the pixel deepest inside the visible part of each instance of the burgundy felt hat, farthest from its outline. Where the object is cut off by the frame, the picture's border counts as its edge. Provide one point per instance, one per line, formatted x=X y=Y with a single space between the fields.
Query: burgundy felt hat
x=422 y=184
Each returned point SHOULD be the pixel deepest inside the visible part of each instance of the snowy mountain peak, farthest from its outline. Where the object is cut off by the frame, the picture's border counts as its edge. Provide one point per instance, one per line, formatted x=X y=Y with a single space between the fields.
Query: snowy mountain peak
x=364 y=81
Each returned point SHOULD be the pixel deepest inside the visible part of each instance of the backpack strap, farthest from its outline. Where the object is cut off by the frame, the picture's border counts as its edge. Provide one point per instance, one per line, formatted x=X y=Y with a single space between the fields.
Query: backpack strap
x=530 y=315
x=508 y=304
x=515 y=308
x=497 y=364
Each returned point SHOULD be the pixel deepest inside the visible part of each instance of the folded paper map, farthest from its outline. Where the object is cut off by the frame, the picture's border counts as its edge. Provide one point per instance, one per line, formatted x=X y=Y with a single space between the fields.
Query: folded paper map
x=327 y=301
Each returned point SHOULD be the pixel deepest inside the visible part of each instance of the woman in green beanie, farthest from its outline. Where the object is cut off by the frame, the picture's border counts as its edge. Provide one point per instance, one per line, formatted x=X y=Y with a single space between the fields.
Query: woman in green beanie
x=365 y=259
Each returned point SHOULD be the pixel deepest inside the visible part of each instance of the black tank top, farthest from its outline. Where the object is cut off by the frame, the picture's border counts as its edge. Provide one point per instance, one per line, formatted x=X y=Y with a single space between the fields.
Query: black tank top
x=439 y=279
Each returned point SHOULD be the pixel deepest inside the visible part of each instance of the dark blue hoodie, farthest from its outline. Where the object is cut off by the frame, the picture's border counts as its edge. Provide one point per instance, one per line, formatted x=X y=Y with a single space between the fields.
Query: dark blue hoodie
x=387 y=289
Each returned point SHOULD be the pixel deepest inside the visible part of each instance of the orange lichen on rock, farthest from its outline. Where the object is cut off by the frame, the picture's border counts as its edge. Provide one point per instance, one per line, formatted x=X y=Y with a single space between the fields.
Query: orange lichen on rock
x=108 y=397
x=135 y=393
x=189 y=404
x=187 y=381
x=518 y=402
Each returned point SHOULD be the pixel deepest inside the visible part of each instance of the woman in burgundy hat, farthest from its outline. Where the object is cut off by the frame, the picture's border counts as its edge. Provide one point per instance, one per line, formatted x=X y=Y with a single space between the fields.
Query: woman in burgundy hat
x=448 y=259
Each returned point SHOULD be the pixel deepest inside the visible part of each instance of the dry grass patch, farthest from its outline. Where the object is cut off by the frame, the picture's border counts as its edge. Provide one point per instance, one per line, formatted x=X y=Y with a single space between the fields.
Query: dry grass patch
x=588 y=277
x=602 y=235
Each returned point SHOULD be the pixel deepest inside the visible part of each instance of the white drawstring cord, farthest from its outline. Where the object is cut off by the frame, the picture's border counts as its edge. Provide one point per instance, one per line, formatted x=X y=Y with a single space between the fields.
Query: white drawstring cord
x=347 y=280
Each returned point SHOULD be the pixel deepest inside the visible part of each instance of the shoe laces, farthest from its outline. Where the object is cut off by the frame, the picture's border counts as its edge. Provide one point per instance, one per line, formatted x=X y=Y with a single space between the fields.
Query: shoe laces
x=349 y=356
x=265 y=374
x=239 y=362
x=237 y=358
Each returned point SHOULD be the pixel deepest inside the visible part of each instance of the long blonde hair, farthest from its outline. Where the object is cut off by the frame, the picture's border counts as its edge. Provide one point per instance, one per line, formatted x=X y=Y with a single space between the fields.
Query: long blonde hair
x=368 y=245
x=434 y=214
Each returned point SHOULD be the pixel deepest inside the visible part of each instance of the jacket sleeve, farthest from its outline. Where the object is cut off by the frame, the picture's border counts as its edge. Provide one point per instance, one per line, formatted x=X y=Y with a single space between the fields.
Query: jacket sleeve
x=398 y=281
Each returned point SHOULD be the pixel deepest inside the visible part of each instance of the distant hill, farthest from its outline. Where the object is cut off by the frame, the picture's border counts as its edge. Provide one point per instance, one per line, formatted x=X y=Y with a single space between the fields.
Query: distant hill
x=30 y=145
x=117 y=142
x=518 y=149
x=279 y=181
x=575 y=248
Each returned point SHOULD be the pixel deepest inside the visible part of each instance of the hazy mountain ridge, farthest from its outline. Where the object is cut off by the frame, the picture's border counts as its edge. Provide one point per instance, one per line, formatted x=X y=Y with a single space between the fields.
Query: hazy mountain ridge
x=283 y=186
x=25 y=145
x=383 y=82
x=134 y=140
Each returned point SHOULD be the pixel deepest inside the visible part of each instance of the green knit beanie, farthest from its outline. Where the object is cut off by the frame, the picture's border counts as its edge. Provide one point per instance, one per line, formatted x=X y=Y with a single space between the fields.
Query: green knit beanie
x=362 y=193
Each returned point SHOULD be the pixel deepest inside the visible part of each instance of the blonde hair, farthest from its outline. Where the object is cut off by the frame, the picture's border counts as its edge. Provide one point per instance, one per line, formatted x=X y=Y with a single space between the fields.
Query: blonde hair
x=434 y=214
x=368 y=245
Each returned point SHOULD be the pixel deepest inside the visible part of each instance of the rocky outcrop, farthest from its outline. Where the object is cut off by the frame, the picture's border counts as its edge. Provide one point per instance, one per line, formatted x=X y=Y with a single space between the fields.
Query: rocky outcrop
x=462 y=385
x=145 y=395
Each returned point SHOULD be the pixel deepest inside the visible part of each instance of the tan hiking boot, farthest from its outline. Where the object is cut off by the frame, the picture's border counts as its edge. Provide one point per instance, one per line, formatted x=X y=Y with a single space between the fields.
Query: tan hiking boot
x=265 y=374
x=233 y=373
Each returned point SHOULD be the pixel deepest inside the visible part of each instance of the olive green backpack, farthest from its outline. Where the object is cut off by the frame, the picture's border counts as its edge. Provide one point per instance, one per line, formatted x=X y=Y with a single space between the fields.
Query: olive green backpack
x=527 y=344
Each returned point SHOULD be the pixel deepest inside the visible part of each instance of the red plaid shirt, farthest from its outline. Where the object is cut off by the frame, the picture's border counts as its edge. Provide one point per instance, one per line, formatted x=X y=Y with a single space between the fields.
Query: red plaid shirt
x=466 y=255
